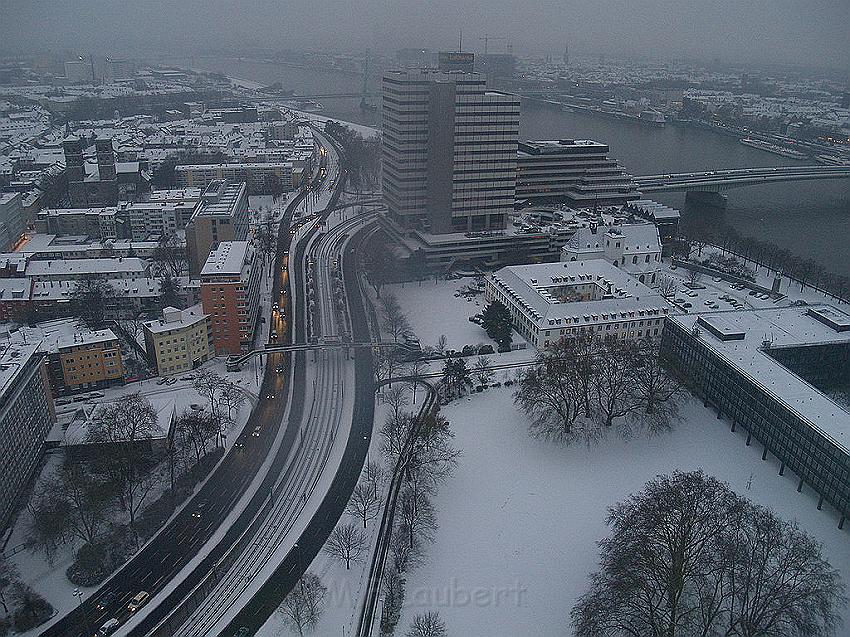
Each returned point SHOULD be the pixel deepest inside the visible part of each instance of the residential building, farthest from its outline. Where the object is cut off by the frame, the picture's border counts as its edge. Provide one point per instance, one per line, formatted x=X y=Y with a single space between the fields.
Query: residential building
x=26 y=417
x=634 y=248
x=179 y=341
x=261 y=177
x=14 y=296
x=131 y=268
x=551 y=301
x=230 y=291
x=781 y=374
x=574 y=171
x=449 y=151
x=103 y=223
x=82 y=360
x=12 y=222
x=220 y=215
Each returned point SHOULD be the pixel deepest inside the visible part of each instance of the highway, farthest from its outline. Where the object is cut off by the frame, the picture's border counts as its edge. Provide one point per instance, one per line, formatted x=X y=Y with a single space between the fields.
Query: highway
x=270 y=535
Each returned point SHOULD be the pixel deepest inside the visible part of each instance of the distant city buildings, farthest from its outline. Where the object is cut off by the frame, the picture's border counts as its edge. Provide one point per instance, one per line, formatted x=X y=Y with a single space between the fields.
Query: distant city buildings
x=230 y=291
x=26 y=417
x=780 y=374
x=220 y=215
x=551 y=301
x=179 y=341
x=449 y=151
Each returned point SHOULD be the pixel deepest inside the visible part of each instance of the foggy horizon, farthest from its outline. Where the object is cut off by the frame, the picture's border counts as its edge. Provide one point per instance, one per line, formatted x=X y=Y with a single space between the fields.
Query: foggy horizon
x=759 y=32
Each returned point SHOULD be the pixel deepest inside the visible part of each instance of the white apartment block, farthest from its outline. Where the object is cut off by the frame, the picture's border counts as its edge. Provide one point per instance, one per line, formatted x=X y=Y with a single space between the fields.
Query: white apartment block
x=551 y=301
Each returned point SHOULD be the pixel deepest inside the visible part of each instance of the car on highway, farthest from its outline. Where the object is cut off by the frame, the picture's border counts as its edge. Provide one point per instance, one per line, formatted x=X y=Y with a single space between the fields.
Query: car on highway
x=238 y=444
x=256 y=432
x=199 y=510
x=104 y=602
x=109 y=627
x=273 y=335
x=279 y=369
x=138 y=601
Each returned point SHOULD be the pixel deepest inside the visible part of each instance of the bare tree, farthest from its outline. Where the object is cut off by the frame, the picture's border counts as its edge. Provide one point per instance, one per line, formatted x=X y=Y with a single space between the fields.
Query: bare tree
x=613 y=381
x=432 y=457
x=196 y=428
x=656 y=394
x=427 y=625
x=416 y=371
x=233 y=397
x=440 y=346
x=346 y=543
x=668 y=286
x=209 y=385
x=92 y=300
x=394 y=322
x=302 y=608
x=483 y=370
x=550 y=393
x=687 y=556
x=169 y=257
x=364 y=503
x=394 y=434
x=694 y=276
x=417 y=520
x=396 y=398
x=123 y=430
x=8 y=576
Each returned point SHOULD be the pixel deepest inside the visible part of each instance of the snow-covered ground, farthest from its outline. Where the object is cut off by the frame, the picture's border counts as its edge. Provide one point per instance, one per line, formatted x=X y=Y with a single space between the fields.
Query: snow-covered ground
x=520 y=519
x=433 y=310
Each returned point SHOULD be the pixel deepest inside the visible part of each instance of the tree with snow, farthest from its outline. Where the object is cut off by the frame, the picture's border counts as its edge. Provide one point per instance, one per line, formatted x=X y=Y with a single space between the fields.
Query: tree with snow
x=346 y=543
x=427 y=625
x=688 y=556
x=364 y=503
x=302 y=608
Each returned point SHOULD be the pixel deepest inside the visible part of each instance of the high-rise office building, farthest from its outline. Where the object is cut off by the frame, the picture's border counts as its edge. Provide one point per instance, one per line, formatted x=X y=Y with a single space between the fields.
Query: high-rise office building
x=449 y=151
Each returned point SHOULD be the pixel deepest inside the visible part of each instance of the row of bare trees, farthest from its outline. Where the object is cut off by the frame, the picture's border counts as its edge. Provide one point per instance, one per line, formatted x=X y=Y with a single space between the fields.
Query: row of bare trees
x=762 y=252
x=582 y=388
x=687 y=557
x=431 y=460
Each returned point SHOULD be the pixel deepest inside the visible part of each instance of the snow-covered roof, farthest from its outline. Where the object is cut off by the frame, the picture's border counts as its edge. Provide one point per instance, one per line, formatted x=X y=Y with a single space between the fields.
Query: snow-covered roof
x=744 y=339
x=58 y=267
x=173 y=319
x=622 y=296
x=227 y=258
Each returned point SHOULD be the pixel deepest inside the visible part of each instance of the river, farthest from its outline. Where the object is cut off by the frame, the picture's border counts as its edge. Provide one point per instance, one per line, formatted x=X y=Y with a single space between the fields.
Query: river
x=810 y=218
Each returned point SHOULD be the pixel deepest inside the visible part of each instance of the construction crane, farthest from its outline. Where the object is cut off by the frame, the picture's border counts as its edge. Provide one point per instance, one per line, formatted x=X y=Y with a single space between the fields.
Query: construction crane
x=487 y=37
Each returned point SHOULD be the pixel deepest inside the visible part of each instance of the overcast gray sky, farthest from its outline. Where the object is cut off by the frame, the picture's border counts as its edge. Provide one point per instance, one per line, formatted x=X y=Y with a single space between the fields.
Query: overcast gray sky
x=804 y=31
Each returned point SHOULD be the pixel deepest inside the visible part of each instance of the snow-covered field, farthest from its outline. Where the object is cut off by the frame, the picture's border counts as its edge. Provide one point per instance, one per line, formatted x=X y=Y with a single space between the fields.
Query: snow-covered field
x=520 y=519
x=434 y=310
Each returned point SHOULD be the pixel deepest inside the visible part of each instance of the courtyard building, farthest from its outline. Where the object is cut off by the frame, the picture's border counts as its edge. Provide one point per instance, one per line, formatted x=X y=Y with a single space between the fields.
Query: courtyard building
x=551 y=301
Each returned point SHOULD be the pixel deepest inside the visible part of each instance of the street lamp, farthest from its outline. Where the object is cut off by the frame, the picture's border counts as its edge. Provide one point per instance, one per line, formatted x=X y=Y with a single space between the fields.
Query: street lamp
x=79 y=595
